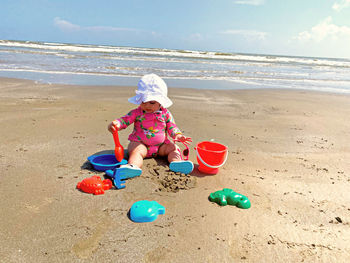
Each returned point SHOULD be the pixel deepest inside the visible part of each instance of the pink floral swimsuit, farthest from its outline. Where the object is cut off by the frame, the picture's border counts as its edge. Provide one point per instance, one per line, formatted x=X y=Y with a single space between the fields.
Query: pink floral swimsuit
x=150 y=128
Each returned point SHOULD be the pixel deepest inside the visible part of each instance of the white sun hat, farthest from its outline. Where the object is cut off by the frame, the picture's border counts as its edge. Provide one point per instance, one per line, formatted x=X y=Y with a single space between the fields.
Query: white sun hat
x=151 y=87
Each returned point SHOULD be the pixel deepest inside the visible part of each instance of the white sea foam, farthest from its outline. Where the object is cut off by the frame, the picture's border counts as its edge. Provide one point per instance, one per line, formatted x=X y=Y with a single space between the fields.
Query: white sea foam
x=248 y=70
x=177 y=53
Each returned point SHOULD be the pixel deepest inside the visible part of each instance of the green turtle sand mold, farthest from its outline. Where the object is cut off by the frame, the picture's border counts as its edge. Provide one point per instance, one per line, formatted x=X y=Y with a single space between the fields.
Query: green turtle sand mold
x=227 y=196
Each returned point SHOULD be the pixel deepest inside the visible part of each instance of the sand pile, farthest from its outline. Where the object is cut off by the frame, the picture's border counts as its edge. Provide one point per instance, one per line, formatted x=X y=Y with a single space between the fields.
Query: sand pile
x=169 y=181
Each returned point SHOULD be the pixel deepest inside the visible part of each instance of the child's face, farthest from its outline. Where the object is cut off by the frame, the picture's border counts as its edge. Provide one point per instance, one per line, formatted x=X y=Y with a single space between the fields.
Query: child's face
x=150 y=106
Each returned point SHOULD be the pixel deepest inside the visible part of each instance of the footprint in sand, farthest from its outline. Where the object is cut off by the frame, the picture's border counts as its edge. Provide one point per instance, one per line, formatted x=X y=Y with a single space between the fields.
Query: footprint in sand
x=84 y=248
x=159 y=254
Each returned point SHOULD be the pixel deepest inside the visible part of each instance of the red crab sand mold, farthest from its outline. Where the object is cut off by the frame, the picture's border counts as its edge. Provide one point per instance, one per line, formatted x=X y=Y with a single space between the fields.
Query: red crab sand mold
x=94 y=185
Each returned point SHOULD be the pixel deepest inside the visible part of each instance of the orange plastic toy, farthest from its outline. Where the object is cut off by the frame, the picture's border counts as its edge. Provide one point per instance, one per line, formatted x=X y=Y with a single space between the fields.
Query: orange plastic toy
x=94 y=185
x=118 y=150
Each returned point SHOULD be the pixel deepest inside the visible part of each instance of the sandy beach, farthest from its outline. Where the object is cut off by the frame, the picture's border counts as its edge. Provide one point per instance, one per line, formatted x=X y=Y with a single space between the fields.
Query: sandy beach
x=289 y=153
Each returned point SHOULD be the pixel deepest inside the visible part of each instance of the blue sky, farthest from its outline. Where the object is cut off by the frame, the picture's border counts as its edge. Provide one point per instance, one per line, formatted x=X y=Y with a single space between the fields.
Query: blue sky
x=319 y=28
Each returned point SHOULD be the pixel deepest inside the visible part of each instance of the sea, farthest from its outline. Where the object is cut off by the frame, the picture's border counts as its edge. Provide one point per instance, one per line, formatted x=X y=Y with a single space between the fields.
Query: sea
x=82 y=64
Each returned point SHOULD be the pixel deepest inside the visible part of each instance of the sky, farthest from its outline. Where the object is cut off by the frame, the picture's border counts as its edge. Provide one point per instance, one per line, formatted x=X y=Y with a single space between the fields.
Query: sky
x=314 y=28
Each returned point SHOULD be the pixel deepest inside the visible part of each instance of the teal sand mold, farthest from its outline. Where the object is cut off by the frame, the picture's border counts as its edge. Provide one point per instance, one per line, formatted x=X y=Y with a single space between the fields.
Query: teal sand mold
x=146 y=211
x=227 y=196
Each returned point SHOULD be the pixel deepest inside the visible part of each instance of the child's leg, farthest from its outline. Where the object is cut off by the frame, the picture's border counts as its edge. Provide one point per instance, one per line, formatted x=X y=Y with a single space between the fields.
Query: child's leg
x=137 y=152
x=171 y=150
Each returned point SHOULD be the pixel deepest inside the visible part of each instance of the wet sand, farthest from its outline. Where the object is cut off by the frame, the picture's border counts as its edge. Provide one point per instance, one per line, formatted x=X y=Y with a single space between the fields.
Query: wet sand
x=288 y=153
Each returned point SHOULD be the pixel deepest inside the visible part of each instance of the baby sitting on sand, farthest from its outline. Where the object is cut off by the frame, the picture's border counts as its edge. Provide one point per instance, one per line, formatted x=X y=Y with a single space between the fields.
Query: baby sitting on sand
x=152 y=123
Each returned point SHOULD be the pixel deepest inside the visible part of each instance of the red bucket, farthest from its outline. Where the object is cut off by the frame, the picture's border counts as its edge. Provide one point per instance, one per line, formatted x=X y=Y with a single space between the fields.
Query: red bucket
x=210 y=156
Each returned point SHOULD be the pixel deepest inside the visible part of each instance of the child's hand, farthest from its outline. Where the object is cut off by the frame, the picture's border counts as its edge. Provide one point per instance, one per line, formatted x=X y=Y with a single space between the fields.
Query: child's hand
x=113 y=126
x=183 y=138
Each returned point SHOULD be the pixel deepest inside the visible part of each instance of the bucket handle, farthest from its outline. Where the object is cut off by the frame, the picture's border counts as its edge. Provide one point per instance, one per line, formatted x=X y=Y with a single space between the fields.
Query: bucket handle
x=210 y=166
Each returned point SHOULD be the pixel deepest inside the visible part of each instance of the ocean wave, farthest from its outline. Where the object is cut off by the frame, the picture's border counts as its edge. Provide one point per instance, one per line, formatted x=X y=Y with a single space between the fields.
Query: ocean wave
x=237 y=82
x=257 y=79
x=109 y=62
x=168 y=53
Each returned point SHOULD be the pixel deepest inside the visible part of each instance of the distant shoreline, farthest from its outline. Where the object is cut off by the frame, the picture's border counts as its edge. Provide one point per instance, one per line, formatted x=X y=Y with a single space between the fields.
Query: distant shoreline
x=215 y=52
x=127 y=81
x=78 y=64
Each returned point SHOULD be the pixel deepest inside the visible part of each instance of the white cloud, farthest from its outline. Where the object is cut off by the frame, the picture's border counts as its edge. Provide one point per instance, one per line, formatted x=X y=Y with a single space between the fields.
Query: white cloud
x=65 y=25
x=249 y=34
x=338 y=6
x=68 y=26
x=250 y=2
x=325 y=30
